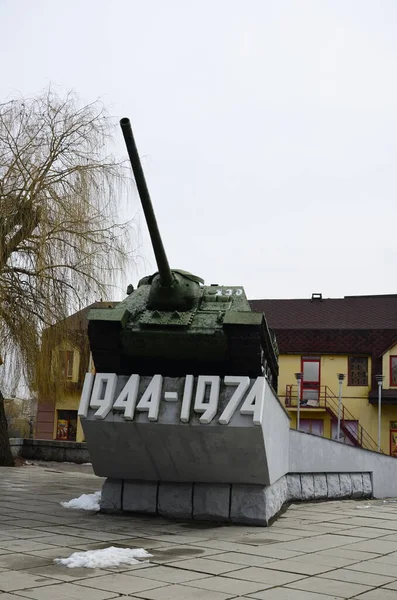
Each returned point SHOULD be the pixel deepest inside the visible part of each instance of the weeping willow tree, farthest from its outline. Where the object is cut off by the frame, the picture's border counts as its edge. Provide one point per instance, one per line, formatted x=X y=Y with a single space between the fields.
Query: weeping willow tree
x=61 y=240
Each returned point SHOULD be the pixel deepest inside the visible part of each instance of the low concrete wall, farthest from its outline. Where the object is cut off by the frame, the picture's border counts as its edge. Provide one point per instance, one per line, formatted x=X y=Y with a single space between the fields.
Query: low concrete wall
x=51 y=450
x=239 y=503
x=313 y=454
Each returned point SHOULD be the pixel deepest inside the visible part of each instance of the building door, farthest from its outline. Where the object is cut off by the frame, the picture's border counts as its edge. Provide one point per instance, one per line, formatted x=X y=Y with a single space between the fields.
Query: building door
x=67 y=425
x=311 y=380
x=393 y=439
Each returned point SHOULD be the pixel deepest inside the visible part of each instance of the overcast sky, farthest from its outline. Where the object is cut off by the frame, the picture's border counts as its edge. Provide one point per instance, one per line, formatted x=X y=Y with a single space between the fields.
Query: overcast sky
x=268 y=127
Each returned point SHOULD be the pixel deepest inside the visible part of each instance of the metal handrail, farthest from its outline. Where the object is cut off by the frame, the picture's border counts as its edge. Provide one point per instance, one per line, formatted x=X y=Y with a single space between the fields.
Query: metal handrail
x=329 y=401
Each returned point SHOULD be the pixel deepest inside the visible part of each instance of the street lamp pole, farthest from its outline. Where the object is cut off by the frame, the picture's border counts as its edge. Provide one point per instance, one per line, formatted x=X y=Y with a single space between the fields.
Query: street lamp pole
x=299 y=377
x=379 y=379
x=340 y=379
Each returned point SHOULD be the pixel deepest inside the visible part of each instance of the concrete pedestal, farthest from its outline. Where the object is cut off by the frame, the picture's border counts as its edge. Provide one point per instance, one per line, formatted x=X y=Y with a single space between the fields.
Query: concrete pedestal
x=238 y=503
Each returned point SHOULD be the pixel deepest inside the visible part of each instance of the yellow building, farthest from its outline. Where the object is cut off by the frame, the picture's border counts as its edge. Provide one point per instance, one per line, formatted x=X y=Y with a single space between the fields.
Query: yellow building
x=64 y=361
x=355 y=336
x=320 y=338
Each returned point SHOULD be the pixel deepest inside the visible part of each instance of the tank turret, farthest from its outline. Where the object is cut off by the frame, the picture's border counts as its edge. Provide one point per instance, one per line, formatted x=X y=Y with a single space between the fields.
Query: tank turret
x=173 y=324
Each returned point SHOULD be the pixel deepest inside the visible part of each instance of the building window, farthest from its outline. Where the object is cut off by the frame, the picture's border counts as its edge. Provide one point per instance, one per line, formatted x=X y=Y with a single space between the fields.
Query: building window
x=67 y=425
x=66 y=364
x=358 y=370
x=393 y=370
x=314 y=426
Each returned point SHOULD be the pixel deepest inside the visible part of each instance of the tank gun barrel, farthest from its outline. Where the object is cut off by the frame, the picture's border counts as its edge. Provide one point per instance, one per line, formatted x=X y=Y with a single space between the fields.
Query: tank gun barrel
x=159 y=252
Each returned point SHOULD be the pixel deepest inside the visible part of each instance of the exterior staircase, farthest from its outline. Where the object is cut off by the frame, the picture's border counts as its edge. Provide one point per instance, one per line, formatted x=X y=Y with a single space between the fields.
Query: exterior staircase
x=327 y=400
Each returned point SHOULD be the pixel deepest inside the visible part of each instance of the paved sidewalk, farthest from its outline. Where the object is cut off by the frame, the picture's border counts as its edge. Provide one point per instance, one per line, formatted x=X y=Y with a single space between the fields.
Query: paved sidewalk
x=322 y=551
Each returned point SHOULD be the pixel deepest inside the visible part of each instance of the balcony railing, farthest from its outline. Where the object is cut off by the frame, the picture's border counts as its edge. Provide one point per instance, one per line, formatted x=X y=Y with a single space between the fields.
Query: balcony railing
x=326 y=399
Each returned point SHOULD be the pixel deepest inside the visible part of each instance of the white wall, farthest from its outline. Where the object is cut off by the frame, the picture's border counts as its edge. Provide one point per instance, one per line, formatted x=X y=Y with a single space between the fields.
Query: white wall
x=312 y=454
x=276 y=435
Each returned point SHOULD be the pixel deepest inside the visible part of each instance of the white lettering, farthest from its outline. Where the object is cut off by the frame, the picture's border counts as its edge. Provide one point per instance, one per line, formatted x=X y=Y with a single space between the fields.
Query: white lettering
x=86 y=395
x=150 y=401
x=229 y=292
x=187 y=399
x=103 y=394
x=99 y=393
x=243 y=384
x=255 y=401
x=208 y=408
x=126 y=400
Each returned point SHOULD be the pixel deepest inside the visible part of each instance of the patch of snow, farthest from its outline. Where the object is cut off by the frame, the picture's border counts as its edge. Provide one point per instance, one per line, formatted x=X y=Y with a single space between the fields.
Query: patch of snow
x=107 y=557
x=84 y=502
x=365 y=506
x=86 y=464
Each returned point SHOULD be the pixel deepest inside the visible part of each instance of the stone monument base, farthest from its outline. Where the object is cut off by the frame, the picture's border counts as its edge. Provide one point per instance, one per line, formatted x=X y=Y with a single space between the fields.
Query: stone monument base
x=236 y=503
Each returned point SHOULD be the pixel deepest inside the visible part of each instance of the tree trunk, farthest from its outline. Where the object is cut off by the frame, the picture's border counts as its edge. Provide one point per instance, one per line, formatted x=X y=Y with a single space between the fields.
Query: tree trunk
x=6 y=457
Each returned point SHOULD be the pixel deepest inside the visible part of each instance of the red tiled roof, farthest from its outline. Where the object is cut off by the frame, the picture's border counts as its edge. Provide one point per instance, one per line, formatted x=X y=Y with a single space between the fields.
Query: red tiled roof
x=350 y=312
x=78 y=320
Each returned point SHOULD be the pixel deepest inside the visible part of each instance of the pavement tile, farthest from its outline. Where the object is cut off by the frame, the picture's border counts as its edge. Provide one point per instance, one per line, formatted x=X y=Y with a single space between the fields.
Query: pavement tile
x=182 y=592
x=270 y=551
x=22 y=533
x=390 y=559
x=179 y=539
x=170 y=575
x=379 y=594
x=378 y=546
x=227 y=585
x=16 y=562
x=206 y=565
x=83 y=533
x=18 y=580
x=375 y=567
x=63 y=573
x=6 y=596
x=368 y=532
x=52 y=552
x=318 y=558
x=341 y=589
x=371 y=579
x=248 y=560
x=368 y=522
x=63 y=540
x=349 y=554
x=289 y=594
x=266 y=576
x=389 y=537
x=121 y=583
x=320 y=542
x=392 y=585
x=301 y=567
x=23 y=523
x=24 y=545
x=257 y=539
x=171 y=553
x=64 y=591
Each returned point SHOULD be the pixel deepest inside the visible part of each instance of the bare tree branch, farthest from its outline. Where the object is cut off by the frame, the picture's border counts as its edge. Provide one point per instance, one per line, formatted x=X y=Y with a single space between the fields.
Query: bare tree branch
x=62 y=244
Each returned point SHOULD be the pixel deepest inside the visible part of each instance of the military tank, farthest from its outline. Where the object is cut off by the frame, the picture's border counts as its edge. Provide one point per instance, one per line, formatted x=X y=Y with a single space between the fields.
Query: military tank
x=175 y=325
